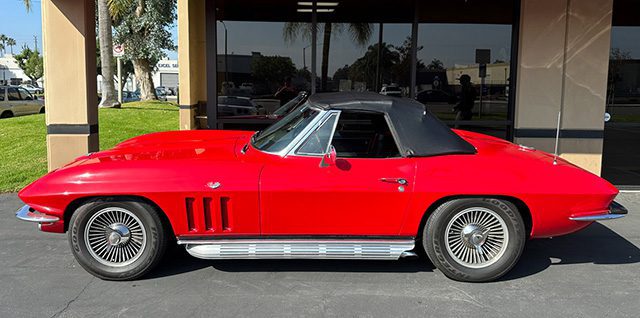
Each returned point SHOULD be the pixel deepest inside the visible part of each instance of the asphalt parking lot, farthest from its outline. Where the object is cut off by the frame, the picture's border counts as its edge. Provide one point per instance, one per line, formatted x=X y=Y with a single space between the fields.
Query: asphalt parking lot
x=593 y=273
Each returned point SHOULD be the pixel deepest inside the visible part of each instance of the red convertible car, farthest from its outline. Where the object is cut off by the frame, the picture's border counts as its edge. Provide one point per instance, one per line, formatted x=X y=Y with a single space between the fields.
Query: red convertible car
x=343 y=176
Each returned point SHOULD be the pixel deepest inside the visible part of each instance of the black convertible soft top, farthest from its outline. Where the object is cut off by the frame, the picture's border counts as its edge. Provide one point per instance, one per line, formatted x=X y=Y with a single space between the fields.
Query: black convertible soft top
x=418 y=132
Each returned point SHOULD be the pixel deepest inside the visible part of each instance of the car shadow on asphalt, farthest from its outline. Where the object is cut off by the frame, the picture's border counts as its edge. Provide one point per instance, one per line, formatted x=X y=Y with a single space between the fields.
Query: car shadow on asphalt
x=596 y=244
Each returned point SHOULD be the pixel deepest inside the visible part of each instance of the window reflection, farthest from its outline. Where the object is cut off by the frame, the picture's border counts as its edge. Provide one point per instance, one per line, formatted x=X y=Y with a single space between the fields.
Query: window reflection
x=621 y=161
x=464 y=70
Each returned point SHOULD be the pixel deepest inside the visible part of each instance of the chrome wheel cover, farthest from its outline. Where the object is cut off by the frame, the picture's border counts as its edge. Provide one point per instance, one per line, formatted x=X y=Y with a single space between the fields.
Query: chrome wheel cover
x=476 y=237
x=115 y=237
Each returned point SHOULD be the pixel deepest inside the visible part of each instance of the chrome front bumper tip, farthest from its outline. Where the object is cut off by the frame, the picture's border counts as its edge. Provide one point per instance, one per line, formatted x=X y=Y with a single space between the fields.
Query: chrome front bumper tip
x=26 y=213
x=616 y=211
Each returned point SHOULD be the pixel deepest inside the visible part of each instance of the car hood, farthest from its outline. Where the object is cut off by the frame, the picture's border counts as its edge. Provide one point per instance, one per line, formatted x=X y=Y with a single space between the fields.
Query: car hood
x=174 y=145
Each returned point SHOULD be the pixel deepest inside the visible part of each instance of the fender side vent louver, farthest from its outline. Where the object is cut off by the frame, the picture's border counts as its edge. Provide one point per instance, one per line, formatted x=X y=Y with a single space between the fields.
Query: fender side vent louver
x=189 y=209
x=224 y=213
x=208 y=222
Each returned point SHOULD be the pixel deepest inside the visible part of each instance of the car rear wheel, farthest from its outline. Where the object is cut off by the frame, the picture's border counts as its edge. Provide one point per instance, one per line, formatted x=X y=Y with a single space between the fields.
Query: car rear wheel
x=475 y=239
x=116 y=239
x=6 y=114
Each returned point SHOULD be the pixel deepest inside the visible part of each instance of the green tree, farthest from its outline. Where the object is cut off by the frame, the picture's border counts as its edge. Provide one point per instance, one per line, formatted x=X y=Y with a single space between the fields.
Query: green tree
x=435 y=66
x=142 y=26
x=272 y=69
x=360 y=33
x=341 y=73
x=364 y=68
x=30 y=61
x=402 y=70
x=11 y=43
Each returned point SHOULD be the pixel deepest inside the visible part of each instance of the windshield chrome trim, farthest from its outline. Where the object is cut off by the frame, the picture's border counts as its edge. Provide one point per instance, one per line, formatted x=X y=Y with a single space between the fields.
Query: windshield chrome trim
x=327 y=116
x=301 y=136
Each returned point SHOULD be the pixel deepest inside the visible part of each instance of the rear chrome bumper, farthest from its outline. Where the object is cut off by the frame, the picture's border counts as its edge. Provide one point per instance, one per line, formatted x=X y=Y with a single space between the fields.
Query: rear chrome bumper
x=26 y=213
x=615 y=211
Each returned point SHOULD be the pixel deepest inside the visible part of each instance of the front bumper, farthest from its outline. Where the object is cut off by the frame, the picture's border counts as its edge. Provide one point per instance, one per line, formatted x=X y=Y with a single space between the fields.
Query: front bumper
x=615 y=211
x=26 y=213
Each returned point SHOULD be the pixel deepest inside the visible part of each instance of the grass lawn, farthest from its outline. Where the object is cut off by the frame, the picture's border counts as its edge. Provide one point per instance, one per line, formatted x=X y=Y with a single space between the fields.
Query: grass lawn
x=23 y=148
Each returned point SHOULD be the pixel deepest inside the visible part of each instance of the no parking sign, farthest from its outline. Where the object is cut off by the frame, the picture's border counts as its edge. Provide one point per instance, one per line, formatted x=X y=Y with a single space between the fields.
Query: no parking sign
x=118 y=50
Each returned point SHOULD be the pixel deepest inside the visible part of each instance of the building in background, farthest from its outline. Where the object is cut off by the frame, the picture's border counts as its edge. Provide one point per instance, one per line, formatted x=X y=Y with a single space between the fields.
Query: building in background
x=12 y=74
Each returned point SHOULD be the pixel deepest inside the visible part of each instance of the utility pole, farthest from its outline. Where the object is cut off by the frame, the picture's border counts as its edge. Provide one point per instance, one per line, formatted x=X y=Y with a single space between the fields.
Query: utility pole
x=35 y=42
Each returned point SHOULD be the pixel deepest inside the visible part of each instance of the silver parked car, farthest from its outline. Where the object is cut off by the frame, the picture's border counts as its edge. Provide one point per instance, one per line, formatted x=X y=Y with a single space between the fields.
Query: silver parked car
x=17 y=101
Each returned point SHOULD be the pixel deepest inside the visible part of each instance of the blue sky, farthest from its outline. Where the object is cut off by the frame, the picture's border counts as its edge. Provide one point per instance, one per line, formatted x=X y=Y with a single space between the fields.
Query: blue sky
x=16 y=23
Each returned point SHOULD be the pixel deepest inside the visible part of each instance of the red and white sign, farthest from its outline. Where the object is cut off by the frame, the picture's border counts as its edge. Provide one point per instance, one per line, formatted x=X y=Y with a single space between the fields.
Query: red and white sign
x=118 y=50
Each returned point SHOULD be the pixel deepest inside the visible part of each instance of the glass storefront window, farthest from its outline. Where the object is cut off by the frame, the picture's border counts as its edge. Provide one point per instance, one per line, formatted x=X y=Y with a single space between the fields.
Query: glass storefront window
x=358 y=67
x=464 y=69
x=621 y=154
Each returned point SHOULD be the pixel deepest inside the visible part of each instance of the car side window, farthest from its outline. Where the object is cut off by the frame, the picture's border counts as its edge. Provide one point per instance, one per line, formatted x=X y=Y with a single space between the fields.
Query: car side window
x=12 y=94
x=24 y=94
x=318 y=142
x=362 y=134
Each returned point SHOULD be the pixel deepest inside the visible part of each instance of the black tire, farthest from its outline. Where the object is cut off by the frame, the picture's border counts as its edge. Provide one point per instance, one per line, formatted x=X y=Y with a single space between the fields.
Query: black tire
x=440 y=245
x=42 y=110
x=6 y=114
x=148 y=254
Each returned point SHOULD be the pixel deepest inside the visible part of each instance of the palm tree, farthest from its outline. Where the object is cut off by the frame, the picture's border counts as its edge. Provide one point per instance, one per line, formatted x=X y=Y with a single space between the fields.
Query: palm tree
x=105 y=37
x=3 y=40
x=27 y=4
x=360 y=33
x=11 y=42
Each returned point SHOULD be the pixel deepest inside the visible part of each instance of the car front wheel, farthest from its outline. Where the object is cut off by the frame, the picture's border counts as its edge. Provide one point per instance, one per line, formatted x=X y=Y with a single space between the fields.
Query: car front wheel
x=117 y=239
x=474 y=239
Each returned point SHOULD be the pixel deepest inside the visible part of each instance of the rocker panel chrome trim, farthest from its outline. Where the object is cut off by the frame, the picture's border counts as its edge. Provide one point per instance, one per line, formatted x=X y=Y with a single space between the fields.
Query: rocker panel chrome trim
x=298 y=249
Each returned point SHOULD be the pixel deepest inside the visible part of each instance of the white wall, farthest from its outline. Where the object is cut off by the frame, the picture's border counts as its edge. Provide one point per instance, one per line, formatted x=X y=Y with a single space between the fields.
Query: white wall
x=9 y=69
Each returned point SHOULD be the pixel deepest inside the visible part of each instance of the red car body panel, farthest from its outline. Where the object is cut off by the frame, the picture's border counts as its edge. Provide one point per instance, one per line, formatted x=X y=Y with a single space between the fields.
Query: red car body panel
x=265 y=194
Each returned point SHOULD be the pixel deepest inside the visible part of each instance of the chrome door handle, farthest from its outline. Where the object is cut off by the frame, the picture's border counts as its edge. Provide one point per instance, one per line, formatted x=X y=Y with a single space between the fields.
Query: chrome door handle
x=394 y=180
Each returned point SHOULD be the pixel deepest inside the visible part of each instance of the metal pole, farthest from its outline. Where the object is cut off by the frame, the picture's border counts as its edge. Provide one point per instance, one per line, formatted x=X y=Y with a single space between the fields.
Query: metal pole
x=481 y=97
x=304 y=57
x=211 y=64
x=378 y=82
x=120 y=80
x=226 y=55
x=226 y=60
x=314 y=34
x=414 y=51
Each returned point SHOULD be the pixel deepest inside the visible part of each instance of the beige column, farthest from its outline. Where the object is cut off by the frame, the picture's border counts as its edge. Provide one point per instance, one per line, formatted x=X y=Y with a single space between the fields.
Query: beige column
x=68 y=29
x=563 y=62
x=191 y=59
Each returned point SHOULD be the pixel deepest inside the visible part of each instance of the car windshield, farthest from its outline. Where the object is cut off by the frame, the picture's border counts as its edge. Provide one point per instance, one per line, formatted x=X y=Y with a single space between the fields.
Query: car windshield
x=277 y=136
x=286 y=108
x=393 y=89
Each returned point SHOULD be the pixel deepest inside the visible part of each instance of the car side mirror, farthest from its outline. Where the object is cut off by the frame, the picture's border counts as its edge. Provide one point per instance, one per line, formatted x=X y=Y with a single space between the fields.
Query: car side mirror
x=329 y=158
